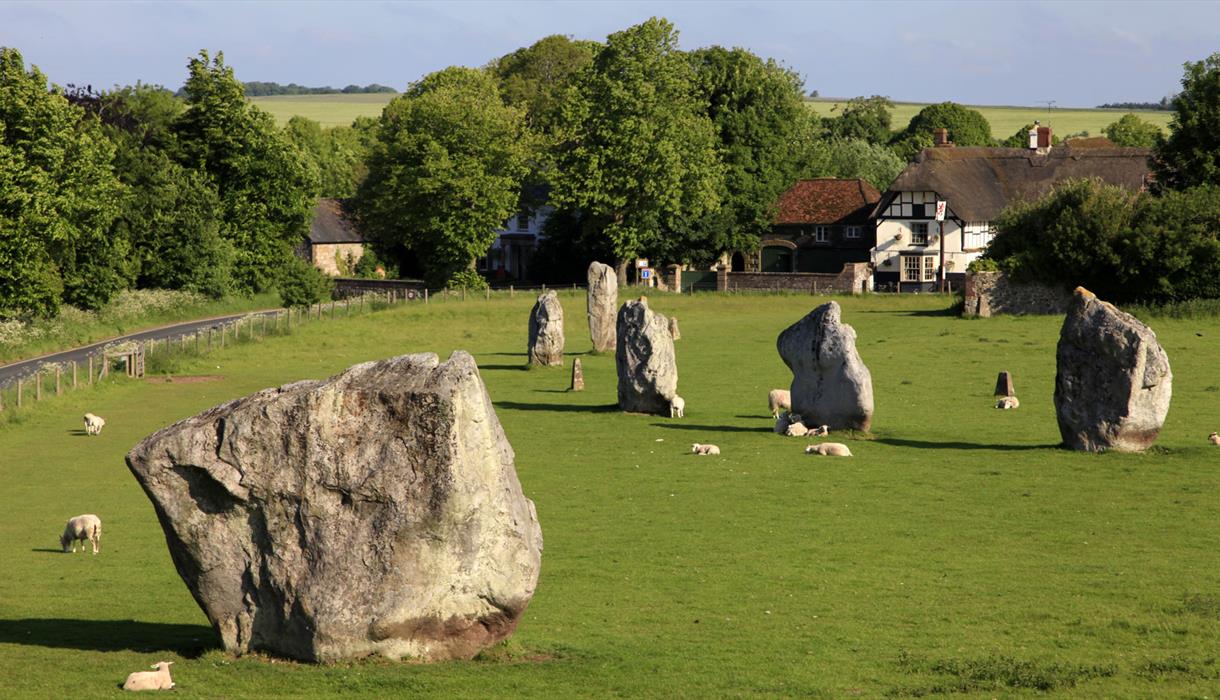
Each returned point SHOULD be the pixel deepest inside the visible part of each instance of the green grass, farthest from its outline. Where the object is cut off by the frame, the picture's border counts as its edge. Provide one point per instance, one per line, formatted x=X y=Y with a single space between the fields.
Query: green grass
x=328 y=110
x=1006 y=120
x=958 y=552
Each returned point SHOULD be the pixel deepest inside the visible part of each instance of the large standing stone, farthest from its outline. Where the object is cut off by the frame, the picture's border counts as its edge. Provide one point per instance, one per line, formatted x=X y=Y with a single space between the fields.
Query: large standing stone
x=830 y=384
x=602 y=300
x=546 y=330
x=1113 y=382
x=647 y=370
x=377 y=511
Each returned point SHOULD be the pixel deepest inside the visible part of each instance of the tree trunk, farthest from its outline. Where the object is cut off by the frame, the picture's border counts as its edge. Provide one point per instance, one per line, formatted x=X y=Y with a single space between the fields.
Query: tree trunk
x=620 y=269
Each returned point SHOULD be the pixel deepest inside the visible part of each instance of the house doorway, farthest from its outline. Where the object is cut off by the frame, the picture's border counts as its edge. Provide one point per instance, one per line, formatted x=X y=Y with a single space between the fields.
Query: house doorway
x=737 y=263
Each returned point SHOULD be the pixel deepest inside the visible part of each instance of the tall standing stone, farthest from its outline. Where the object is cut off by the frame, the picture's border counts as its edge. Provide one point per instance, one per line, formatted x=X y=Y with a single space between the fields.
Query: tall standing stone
x=578 y=376
x=644 y=356
x=830 y=384
x=546 y=330
x=1112 y=381
x=602 y=301
x=375 y=512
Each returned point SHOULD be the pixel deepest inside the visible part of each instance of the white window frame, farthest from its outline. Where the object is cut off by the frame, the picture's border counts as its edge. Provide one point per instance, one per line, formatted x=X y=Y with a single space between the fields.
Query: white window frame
x=919 y=237
x=929 y=268
x=523 y=221
x=853 y=232
x=821 y=234
x=976 y=235
x=907 y=268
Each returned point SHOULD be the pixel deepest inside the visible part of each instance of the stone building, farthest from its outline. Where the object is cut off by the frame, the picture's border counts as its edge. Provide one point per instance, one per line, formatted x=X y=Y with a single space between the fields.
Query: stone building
x=333 y=245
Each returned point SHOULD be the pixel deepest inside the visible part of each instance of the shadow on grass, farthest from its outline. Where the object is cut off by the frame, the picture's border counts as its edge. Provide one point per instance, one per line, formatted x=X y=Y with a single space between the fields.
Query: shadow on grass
x=931 y=445
x=519 y=368
x=79 y=432
x=190 y=641
x=712 y=428
x=48 y=549
x=561 y=407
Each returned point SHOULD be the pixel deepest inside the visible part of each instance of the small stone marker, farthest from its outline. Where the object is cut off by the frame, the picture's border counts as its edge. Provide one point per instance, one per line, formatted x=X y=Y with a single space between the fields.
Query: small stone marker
x=578 y=376
x=673 y=328
x=1003 y=385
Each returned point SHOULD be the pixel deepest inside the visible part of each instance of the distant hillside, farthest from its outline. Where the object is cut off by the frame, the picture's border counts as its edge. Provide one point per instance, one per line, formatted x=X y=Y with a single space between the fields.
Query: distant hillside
x=1165 y=104
x=256 y=88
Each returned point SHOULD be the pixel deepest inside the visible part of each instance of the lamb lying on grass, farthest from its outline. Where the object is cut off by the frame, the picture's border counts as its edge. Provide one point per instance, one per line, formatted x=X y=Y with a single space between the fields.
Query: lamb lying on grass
x=82 y=528
x=828 y=449
x=151 y=680
x=1007 y=402
x=699 y=449
x=677 y=407
x=779 y=400
x=93 y=424
x=1214 y=439
x=820 y=431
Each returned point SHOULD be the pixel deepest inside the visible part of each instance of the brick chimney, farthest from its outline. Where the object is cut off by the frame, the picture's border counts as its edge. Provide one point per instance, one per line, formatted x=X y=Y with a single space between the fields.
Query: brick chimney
x=940 y=138
x=1040 y=138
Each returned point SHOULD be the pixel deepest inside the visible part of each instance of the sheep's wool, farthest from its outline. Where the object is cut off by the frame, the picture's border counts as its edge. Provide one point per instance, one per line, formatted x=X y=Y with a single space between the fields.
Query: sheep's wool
x=377 y=511
x=1112 y=380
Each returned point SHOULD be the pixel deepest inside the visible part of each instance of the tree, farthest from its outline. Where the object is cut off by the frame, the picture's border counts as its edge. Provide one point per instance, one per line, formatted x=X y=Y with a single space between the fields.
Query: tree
x=535 y=78
x=851 y=158
x=1130 y=130
x=446 y=170
x=866 y=118
x=636 y=151
x=1190 y=156
x=58 y=198
x=338 y=153
x=266 y=185
x=967 y=127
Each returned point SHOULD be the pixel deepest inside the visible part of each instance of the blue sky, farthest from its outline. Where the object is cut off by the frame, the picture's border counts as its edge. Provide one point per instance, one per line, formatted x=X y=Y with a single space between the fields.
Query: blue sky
x=1077 y=53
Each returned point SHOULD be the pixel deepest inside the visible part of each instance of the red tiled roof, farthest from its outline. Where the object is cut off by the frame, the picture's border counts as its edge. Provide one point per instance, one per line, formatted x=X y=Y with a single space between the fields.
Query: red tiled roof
x=826 y=200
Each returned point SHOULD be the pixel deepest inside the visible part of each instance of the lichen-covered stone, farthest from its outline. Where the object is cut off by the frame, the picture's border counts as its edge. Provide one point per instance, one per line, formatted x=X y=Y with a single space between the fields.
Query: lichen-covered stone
x=375 y=512
x=644 y=356
x=602 y=299
x=830 y=383
x=1112 y=382
x=546 y=330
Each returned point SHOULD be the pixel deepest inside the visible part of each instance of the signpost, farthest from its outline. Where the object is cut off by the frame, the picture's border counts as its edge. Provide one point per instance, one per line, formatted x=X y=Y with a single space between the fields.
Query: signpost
x=941 y=205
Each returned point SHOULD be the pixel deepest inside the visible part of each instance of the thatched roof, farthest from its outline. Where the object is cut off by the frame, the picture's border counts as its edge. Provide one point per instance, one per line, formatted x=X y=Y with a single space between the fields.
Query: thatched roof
x=979 y=182
x=332 y=224
x=826 y=200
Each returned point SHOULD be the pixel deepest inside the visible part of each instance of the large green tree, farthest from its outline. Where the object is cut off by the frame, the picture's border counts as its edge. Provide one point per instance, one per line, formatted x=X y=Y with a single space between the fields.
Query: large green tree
x=445 y=171
x=852 y=158
x=58 y=199
x=1130 y=130
x=1190 y=156
x=637 y=152
x=535 y=78
x=266 y=184
x=865 y=118
x=339 y=154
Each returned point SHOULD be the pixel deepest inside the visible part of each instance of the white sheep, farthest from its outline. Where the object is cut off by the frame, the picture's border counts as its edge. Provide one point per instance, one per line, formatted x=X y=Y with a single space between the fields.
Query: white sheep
x=151 y=680
x=796 y=430
x=677 y=407
x=1214 y=439
x=820 y=431
x=1007 y=402
x=779 y=400
x=828 y=449
x=699 y=449
x=93 y=424
x=81 y=528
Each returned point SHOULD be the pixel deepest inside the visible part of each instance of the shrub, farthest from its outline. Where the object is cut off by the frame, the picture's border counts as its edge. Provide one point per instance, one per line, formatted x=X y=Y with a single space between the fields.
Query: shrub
x=468 y=279
x=302 y=284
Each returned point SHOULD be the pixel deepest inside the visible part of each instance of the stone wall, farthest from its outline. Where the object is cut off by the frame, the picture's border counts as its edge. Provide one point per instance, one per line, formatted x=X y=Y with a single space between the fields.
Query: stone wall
x=324 y=256
x=990 y=293
x=855 y=278
x=402 y=289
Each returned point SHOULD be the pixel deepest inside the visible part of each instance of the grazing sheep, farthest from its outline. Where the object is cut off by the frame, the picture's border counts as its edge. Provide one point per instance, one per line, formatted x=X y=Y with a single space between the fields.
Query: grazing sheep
x=1214 y=439
x=820 y=431
x=698 y=449
x=677 y=407
x=93 y=424
x=779 y=400
x=151 y=680
x=828 y=449
x=1007 y=402
x=82 y=528
x=796 y=430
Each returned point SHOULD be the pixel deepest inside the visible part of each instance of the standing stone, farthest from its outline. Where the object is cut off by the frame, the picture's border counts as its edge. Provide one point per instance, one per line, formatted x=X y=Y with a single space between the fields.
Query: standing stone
x=1113 y=382
x=830 y=384
x=1003 y=385
x=644 y=356
x=673 y=328
x=375 y=512
x=546 y=330
x=578 y=376
x=602 y=300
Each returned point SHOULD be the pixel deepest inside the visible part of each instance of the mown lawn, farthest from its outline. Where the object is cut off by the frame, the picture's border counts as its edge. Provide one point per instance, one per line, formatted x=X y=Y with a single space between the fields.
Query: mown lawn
x=959 y=551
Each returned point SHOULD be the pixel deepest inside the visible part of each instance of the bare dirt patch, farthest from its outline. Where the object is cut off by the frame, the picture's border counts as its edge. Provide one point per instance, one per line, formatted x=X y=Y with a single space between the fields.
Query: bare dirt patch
x=185 y=379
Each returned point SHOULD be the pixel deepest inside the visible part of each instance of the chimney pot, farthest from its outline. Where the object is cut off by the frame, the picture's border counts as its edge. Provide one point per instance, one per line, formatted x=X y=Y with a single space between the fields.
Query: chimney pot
x=940 y=138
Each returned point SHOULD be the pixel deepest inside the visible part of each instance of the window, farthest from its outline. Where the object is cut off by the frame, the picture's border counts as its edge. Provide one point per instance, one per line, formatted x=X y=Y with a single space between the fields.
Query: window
x=919 y=233
x=821 y=234
x=523 y=221
x=910 y=268
x=853 y=232
x=977 y=235
x=929 y=267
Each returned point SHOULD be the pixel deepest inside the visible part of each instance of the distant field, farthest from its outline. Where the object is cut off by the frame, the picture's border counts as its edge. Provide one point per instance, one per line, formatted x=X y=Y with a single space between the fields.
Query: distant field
x=328 y=110
x=1006 y=120
x=341 y=110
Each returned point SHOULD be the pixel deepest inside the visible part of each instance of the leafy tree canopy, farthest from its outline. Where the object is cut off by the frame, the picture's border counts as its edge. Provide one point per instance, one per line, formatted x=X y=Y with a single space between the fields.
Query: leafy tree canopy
x=967 y=127
x=865 y=118
x=1190 y=156
x=852 y=158
x=534 y=78
x=1130 y=130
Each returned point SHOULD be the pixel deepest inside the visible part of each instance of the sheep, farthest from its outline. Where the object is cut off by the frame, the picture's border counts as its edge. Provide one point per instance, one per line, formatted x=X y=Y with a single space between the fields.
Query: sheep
x=820 y=430
x=779 y=400
x=151 y=680
x=93 y=424
x=796 y=430
x=677 y=407
x=828 y=449
x=1007 y=402
x=82 y=527
x=1214 y=439
x=699 y=449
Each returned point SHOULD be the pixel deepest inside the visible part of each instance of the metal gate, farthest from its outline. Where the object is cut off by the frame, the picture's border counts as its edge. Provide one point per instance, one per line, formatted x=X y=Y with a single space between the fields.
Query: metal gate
x=699 y=280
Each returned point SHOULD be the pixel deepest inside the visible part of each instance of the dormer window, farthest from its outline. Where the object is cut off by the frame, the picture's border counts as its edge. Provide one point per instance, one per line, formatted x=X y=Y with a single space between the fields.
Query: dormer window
x=821 y=234
x=523 y=221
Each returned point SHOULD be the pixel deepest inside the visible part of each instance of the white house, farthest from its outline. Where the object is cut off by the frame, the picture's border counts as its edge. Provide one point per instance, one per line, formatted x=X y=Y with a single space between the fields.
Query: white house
x=977 y=183
x=509 y=257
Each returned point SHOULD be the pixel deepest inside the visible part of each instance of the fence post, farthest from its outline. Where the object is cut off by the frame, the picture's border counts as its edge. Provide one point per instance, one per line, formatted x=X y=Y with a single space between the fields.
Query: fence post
x=487 y=296
x=58 y=387
x=222 y=335
x=91 y=370
x=463 y=292
x=19 y=382
x=425 y=295
x=38 y=385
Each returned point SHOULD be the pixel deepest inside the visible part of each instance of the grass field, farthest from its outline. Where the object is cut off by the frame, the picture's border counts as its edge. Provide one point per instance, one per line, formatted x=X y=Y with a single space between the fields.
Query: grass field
x=340 y=110
x=960 y=551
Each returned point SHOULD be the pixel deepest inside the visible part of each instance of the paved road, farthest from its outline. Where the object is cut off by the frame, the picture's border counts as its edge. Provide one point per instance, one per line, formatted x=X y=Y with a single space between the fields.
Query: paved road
x=25 y=368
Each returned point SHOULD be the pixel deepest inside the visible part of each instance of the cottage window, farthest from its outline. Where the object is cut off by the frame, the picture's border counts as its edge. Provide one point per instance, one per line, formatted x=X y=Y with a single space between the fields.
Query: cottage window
x=853 y=232
x=910 y=268
x=523 y=221
x=821 y=234
x=929 y=267
x=919 y=233
x=977 y=235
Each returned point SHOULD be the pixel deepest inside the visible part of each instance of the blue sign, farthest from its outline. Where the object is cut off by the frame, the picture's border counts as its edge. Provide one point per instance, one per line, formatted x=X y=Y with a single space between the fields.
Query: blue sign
x=645 y=273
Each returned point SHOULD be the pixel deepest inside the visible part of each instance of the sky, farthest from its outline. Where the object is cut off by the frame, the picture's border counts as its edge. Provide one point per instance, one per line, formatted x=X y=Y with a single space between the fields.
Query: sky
x=1078 y=53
